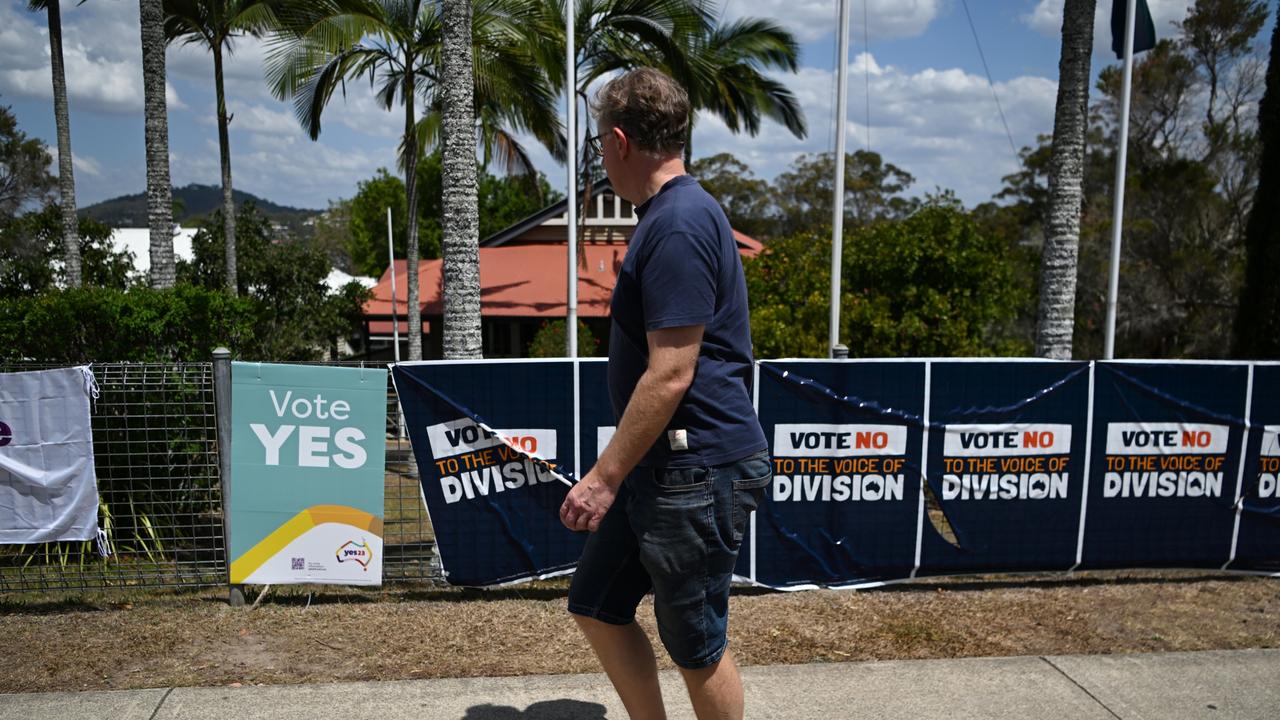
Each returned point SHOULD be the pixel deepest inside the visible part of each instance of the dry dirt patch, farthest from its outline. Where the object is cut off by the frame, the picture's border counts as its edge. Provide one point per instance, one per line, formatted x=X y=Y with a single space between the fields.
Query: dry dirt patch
x=158 y=640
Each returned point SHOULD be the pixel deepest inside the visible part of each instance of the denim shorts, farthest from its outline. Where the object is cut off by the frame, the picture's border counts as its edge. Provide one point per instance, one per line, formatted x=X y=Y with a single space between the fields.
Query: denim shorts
x=677 y=532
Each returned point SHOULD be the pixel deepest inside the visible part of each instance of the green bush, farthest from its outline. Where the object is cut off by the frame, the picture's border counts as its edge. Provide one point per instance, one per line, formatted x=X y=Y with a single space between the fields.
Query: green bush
x=110 y=325
x=930 y=285
x=550 y=340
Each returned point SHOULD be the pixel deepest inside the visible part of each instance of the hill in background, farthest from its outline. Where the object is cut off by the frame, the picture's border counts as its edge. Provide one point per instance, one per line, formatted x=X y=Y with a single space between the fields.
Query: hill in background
x=192 y=204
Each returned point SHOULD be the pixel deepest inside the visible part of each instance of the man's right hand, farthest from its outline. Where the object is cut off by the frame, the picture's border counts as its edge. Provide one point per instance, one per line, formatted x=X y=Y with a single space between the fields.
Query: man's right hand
x=587 y=502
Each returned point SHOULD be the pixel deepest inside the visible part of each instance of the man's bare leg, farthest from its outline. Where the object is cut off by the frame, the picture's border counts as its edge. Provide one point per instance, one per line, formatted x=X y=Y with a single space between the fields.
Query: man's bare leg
x=716 y=690
x=627 y=657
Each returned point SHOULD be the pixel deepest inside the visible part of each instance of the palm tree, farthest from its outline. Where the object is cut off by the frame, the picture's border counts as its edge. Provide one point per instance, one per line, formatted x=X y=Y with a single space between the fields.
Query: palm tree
x=723 y=75
x=612 y=35
x=159 y=192
x=462 y=337
x=397 y=45
x=62 y=116
x=215 y=24
x=1055 y=321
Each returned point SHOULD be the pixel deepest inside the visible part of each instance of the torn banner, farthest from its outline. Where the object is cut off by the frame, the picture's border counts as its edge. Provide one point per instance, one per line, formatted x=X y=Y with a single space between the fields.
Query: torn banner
x=494 y=497
x=48 y=488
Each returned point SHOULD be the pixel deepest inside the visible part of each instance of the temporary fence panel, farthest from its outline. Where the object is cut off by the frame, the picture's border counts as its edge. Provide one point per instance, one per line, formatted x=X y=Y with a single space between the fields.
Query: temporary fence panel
x=155 y=441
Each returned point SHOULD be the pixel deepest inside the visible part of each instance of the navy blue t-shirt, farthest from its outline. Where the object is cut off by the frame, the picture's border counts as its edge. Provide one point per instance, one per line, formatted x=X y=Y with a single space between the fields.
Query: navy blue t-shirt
x=682 y=268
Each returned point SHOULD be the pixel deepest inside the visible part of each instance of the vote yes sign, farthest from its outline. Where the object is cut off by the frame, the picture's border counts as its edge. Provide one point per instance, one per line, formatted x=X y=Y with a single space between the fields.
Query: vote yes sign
x=307 y=457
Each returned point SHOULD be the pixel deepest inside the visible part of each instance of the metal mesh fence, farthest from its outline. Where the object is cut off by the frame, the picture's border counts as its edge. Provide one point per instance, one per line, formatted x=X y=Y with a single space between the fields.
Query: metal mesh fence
x=155 y=439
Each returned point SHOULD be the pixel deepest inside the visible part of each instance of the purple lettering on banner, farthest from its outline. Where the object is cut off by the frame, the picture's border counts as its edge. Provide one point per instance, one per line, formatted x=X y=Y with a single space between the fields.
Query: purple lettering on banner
x=6 y=434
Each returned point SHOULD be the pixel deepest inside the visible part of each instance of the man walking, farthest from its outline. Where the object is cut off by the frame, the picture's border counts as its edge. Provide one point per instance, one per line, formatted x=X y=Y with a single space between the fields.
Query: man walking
x=668 y=500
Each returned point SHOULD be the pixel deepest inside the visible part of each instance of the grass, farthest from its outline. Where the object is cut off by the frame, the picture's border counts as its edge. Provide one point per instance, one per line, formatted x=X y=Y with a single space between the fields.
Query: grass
x=134 y=638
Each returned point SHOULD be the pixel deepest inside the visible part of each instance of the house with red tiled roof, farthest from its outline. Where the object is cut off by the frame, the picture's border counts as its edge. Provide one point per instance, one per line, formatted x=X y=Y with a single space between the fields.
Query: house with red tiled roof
x=523 y=280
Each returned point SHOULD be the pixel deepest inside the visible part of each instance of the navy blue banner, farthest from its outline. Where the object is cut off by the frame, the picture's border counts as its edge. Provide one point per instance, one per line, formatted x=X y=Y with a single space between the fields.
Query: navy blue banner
x=844 y=502
x=1259 y=508
x=886 y=470
x=489 y=439
x=1164 y=466
x=1005 y=467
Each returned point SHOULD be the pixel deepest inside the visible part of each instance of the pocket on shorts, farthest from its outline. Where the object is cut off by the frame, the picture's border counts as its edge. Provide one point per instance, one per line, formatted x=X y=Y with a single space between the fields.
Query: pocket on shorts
x=748 y=491
x=674 y=481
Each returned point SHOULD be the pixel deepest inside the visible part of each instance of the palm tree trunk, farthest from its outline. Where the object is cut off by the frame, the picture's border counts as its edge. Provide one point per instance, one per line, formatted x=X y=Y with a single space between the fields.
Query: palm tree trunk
x=224 y=154
x=159 y=192
x=1055 y=321
x=411 y=198
x=462 y=336
x=66 y=176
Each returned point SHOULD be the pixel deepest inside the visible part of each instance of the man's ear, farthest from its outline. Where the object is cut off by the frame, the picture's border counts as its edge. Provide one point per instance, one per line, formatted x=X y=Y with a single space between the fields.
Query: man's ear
x=624 y=142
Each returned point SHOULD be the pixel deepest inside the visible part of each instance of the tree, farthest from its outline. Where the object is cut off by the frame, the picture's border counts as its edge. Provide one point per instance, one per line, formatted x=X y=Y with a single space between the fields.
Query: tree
x=504 y=200
x=1257 y=327
x=24 y=167
x=156 y=114
x=872 y=189
x=215 y=24
x=31 y=254
x=723 y=73
x=1055 y=321
x=62 y=116
x=1186 y=202
x=911 y=289
x=461 y=215
x=744 y=197
x=397 y=45
x=296 y=316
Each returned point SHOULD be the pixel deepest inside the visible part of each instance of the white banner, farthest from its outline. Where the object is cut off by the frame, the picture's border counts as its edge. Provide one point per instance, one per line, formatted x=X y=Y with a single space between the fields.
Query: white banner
x=1166 y=439
x=48 y=489
x=464 y=435
x=1007 y=440
x=822 y=440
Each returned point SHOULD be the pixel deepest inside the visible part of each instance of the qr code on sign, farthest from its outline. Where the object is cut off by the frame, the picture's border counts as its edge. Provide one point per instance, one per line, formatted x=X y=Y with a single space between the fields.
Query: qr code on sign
x=299 y=563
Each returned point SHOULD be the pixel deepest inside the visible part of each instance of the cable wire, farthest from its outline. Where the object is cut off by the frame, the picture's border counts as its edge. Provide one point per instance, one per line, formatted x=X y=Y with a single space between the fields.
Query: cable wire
x=990 y=83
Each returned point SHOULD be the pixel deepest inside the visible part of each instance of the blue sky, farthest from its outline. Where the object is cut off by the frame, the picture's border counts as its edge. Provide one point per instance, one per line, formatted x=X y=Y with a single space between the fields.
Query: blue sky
x=931 y=109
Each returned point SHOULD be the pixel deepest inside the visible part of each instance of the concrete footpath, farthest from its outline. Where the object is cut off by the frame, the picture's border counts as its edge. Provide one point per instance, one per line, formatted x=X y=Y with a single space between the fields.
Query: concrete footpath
x=1219 y=684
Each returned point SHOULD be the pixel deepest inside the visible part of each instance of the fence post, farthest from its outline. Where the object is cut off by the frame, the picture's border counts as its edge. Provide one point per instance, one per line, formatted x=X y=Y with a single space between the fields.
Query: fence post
x=222 y=406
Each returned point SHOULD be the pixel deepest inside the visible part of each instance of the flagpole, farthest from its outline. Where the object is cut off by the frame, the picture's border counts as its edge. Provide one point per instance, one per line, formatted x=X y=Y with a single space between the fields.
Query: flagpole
x=391 y=262
x=1117 y=217
x=837 y=215
x=571 y=217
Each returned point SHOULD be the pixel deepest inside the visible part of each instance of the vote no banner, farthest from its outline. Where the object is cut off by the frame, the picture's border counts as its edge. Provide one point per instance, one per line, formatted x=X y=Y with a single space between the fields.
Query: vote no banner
x=490 y=439
x=886 y=469
x=308 y=451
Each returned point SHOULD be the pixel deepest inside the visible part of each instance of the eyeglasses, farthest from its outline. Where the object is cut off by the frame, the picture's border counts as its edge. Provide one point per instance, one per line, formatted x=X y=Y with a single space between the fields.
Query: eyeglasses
x=595 y=144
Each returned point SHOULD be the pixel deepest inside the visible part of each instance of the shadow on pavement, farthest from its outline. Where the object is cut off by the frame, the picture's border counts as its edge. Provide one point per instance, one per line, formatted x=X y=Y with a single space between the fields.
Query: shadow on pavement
x=547 y=710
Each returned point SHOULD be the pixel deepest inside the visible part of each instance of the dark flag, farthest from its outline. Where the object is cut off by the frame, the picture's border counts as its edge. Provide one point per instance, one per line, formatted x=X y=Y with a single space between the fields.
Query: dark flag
x=1144 y=30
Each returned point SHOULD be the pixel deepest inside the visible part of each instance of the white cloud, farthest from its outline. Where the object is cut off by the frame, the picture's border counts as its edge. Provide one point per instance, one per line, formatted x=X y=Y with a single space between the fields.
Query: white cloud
x=1046 y=19
x=102 y=73
x=939 y=124
x=813 y=19
x=85 y=165
x=286 y=170
x=262 y=120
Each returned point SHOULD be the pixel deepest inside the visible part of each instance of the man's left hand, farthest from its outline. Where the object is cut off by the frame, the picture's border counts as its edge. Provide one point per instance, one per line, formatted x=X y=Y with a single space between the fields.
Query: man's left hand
x=587 y=503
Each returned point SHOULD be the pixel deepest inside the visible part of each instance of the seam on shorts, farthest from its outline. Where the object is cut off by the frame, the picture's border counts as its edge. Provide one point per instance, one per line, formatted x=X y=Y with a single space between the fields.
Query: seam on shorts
x=706 y=561
x=708 y=662
x=598 y=614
